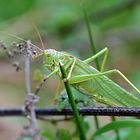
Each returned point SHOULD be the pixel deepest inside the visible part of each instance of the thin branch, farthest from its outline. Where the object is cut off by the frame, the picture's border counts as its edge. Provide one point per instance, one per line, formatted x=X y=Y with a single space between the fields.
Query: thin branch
x=86 y=111
x=27 y=75
x=31 y=100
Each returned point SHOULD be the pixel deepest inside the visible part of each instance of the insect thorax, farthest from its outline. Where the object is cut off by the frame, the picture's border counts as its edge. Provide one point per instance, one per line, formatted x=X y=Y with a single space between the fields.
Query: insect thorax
x=52 y=59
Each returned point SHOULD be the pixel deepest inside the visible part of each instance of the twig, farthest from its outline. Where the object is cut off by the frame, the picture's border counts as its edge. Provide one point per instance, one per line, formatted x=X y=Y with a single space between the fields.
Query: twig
x=27 y=75
x=85 y=111
x=30 y=101
x=11 y=55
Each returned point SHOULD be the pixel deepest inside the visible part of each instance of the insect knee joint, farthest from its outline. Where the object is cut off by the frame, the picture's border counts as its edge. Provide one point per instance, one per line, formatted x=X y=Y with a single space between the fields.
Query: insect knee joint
x=65 y=79
x=44 y=80
x=116 y=71
x=106 y=49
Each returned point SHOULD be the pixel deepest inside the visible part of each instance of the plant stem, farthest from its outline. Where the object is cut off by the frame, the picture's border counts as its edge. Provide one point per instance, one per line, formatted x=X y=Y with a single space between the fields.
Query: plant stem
x=92 y=45
x=96 y=122
x=73 y=105
x=93 y=48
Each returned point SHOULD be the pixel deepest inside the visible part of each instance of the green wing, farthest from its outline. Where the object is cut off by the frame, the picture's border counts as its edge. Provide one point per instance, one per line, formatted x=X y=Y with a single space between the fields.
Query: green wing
x=102 y=88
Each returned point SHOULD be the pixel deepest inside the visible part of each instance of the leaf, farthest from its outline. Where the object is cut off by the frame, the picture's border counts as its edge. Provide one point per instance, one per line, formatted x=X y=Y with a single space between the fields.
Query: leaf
x=117 y=125
x=127 y=134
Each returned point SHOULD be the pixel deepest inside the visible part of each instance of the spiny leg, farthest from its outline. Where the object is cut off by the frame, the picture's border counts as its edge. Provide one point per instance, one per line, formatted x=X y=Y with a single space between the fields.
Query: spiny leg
x=89 y=60
x=103 y=51
x=86 y=77
x=43 y=81
x=126 y=79
x=56 y=70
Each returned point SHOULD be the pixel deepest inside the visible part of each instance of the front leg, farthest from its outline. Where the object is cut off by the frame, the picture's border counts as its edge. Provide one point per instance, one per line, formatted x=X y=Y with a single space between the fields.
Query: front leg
x=44 y=80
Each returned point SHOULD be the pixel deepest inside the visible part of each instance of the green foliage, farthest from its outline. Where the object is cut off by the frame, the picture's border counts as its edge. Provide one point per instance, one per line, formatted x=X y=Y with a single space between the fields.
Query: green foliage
x=11 y=9
x=118 y=125
x=64 y=134
x=47 y=134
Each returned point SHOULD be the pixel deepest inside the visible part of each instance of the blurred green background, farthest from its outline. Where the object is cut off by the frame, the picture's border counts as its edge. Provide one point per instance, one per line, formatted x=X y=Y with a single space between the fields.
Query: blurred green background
x=115 y=24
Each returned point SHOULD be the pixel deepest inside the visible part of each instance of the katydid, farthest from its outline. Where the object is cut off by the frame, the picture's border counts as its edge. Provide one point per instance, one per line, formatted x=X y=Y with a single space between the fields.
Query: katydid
x=85 y=78
x=88 y=80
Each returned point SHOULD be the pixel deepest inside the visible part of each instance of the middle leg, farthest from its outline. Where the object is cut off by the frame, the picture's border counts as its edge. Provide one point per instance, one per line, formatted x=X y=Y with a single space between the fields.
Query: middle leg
x=91 y=59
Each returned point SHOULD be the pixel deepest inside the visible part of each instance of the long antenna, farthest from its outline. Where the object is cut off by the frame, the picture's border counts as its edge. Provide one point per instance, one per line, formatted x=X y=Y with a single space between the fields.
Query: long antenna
x=12 y=35
x=40 y=38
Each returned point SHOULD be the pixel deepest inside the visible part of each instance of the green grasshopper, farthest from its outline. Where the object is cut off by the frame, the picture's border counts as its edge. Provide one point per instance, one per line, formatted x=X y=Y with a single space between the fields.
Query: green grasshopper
x=86 y=79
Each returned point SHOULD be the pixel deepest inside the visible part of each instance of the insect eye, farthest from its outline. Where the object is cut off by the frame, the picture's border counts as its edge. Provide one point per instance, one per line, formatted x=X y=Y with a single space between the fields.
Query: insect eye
x=63 y=98
x=34 y=52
